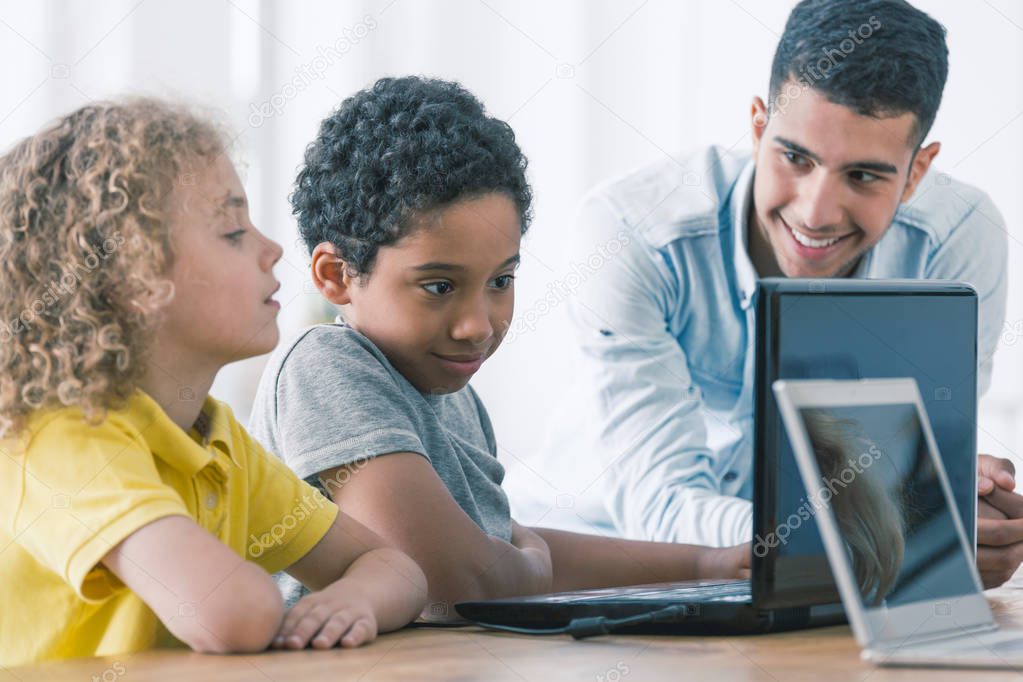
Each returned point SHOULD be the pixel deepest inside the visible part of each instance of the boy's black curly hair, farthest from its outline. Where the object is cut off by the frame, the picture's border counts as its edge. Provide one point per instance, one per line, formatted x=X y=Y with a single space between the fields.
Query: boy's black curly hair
x=394 y=150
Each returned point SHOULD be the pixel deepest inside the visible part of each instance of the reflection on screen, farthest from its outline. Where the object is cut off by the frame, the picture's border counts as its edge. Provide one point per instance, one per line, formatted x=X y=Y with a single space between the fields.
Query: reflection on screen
x=931 y=338
x=884 y=491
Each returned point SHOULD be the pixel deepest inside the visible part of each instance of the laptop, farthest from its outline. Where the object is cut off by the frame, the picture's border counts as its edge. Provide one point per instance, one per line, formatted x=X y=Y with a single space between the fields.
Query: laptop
x=853 y=329
x=897 y=544
x=805 y=329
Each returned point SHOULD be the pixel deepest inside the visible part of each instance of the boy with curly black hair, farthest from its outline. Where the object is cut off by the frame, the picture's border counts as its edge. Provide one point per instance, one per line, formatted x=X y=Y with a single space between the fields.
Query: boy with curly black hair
x=412 y=202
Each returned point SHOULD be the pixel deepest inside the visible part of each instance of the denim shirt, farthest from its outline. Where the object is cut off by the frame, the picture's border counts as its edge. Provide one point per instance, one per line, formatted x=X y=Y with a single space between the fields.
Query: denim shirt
x=657 y=431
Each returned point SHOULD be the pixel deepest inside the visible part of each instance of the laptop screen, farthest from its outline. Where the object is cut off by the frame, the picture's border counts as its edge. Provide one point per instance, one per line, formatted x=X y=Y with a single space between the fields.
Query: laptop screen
x=838 y=334
x=891 y=511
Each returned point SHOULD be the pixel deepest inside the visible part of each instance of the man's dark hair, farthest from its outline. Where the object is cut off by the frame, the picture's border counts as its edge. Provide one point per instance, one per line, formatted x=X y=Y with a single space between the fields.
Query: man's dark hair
x=878 y=57
x=395 y=150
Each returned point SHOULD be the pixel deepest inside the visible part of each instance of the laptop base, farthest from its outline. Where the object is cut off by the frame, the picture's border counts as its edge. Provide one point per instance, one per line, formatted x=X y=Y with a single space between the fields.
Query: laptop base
x=711 y=608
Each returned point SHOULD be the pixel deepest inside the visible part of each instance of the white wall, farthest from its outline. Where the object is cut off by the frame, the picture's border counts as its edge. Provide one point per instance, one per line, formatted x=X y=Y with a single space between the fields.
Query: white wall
x=591 y=88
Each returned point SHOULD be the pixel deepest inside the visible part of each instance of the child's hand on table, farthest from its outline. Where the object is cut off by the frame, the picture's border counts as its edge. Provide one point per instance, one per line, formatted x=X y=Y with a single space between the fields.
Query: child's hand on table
x=535 y=547
x=337 y=614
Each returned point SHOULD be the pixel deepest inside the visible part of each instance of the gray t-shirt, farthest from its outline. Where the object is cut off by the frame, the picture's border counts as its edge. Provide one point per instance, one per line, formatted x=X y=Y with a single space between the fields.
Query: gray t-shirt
x=331 y=398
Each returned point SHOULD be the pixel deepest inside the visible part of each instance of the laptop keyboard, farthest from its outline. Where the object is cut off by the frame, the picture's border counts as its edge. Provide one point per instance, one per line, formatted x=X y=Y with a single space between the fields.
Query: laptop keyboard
x=731 y=591
x=692 y=591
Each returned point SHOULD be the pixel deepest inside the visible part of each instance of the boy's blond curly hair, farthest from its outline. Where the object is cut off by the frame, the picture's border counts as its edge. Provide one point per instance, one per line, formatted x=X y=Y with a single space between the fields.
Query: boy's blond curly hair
x=86 y=251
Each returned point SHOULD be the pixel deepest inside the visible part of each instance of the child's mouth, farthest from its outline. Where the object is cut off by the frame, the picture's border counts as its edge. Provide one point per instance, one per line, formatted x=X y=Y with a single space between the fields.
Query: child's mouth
x=463 y=365
x=269 y=300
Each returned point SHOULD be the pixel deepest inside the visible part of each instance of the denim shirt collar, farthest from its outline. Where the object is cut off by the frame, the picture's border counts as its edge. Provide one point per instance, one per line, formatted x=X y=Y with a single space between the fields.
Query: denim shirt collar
x=742 y=195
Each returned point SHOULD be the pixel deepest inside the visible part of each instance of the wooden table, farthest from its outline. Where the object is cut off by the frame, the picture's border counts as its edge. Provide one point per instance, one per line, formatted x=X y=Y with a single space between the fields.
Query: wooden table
x=829 y=654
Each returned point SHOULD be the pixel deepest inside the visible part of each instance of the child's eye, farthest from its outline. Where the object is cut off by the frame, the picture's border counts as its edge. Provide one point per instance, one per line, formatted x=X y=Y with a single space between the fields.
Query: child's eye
x=503 y=281
x=438 y=288
x=234 y=237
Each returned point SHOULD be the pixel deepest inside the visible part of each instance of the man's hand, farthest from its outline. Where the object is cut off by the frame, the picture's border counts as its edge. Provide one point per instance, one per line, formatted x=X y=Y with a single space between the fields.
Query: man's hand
x=994 y=472
x=999 y=521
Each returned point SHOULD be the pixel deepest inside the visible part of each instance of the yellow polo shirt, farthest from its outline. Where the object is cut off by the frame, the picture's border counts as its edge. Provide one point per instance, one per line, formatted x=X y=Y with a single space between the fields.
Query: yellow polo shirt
x=70 y=492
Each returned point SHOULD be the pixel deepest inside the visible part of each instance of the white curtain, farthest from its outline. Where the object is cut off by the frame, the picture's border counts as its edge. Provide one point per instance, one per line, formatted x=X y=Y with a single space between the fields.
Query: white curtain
x=592 y=89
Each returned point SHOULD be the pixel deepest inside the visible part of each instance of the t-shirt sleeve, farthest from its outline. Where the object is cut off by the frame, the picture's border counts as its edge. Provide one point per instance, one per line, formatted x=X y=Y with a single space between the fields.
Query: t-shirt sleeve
x=76 y=492
x=337 y=403
x=287 y=516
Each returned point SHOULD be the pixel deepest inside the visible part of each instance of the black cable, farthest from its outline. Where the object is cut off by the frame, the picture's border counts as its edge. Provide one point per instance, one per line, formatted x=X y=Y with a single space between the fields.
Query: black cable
x=581 y=628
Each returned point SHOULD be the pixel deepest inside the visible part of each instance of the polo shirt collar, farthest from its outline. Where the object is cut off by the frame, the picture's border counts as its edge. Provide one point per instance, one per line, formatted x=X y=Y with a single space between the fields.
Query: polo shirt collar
x=186 y=452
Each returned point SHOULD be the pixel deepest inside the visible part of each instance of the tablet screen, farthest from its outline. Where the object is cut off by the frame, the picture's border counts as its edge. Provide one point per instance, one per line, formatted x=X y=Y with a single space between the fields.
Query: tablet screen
x=892 y=514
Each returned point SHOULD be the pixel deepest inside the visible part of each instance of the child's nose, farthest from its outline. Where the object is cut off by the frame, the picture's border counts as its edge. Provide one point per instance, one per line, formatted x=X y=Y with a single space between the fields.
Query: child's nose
x=272 y=253
x=473 y=324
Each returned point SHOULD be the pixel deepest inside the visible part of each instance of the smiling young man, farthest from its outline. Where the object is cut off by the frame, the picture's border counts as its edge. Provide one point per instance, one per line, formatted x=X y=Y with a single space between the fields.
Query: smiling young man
x=839 y=184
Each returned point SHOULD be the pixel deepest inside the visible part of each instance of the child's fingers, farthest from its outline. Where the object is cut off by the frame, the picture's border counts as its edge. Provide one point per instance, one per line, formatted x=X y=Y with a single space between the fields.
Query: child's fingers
x=332 y=630
x=291 y=619
x=362 y=631
x=307 y=626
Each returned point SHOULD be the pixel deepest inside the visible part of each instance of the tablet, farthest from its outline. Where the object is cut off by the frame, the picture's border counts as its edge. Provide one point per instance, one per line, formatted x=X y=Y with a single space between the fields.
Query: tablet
x=875 y=482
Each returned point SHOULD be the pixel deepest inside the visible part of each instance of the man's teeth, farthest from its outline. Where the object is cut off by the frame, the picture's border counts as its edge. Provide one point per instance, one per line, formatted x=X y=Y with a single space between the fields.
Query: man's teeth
x=812 y=243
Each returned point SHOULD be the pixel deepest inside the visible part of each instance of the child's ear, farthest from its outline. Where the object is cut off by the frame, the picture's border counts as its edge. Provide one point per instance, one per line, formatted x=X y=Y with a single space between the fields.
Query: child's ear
x=330 y=275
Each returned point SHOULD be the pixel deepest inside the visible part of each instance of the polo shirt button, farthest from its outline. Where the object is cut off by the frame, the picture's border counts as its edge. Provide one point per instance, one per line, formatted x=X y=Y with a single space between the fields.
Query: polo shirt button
x=731 y=476
x=211 y=501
